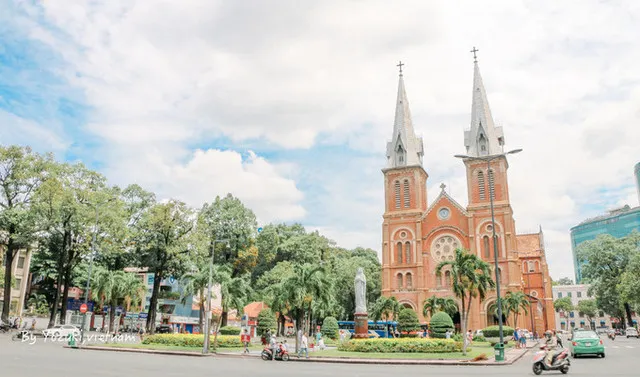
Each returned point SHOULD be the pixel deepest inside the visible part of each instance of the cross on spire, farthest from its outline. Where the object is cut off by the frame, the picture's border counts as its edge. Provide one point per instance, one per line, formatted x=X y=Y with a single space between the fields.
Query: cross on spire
x=443 y=186
x=400 y=64
x=475 y=57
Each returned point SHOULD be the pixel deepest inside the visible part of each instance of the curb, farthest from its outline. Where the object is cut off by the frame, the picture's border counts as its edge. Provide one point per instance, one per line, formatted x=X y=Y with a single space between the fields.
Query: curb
x=138 y=350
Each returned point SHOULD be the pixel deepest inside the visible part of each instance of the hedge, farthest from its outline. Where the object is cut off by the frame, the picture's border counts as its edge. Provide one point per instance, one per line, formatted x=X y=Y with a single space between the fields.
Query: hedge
x=191 y=340
x=230 y=330
x=440 y=323
x=408 y=320
x=330 y=327
x=494 y=332
x=401 y=345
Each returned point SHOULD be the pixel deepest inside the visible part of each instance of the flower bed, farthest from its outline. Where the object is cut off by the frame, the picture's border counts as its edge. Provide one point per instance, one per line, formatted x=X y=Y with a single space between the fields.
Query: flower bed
x=408 y=345
x=191 y=340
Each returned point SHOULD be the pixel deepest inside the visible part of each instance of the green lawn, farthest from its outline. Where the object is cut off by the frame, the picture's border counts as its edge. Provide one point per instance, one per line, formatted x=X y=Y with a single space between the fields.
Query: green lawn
x=170 y=348
x=429 y=356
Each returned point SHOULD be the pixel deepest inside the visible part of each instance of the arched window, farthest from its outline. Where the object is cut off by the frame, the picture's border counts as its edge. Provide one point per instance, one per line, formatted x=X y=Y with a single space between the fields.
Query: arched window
x=447 y=278
x=482 y=143
x=407 y=252
x=407 y=197
x=500 y=274
x=399 y=252
x=397 y=189
x=486 y=247
x=399 y=281
x=491 y=188
x=481 y=186
x=438 y=280
x=532 y=266
x=409 y=280
x=400 y=155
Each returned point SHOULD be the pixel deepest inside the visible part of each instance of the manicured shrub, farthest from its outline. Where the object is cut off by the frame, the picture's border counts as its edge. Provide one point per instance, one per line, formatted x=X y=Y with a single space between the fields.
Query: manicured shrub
x=266 y=321
x=191 y=340
x=330 y=327
x=399 y=345
x=457 y=337
x=440 y=323
x=230 y=330
x=408 y=321
x=494 y=331
x=479 y=338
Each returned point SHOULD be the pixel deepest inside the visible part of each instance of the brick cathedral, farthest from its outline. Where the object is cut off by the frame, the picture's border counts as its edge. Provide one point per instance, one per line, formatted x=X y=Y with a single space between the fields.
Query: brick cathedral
x=418 y=234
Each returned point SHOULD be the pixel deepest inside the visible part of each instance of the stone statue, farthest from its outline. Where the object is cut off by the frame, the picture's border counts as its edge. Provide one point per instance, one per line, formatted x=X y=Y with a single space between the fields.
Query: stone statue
x=361 y=291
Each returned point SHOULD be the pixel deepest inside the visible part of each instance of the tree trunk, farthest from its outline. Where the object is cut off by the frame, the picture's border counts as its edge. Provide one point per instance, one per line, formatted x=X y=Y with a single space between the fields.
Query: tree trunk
x=112 y=314
x=65 y=292
x=8 y=259
x=153 y=303
x=224 y=317
x=627 y=309
x=59 y=281
x=283 y=324
x=201 y=312
x=215 y=336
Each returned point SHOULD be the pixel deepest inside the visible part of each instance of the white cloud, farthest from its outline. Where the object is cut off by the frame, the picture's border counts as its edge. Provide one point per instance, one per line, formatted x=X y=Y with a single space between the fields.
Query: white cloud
x=562 y=79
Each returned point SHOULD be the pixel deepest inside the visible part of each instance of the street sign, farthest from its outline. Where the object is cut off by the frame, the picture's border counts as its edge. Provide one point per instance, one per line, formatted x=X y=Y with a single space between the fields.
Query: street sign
x=260 y=230
x=83 y=308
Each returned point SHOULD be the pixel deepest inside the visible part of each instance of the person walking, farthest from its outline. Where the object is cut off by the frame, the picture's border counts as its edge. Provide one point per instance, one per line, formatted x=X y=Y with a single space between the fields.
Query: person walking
x=516 y=337
x=304 y=346
x=245 y=338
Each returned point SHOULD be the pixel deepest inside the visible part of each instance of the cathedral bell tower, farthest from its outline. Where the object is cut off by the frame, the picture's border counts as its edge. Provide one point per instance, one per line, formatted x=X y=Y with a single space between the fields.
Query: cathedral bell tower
x=405 y=183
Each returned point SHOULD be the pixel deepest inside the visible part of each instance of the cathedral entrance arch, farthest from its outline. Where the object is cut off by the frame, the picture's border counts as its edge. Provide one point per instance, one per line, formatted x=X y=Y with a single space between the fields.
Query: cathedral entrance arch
x=492 y=314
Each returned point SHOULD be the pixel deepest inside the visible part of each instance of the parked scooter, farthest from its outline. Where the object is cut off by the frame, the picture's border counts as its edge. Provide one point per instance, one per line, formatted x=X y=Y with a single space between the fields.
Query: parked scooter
x=281 y=354
x=560 y=361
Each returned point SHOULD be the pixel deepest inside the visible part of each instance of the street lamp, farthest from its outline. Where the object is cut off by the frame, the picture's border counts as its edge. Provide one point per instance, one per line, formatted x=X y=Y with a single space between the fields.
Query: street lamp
x=488 y=159
x=93 y=252
x=205 y=344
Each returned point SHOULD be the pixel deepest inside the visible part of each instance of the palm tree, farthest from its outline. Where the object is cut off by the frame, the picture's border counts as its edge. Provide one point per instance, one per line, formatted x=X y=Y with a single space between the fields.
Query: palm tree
x=471 y=278
x=37 y=302
x=386 y=308
x=234 y=292
x=516 y=302
x=196 y=283
x=133 y=290
x=439 y=304
x=108 y=286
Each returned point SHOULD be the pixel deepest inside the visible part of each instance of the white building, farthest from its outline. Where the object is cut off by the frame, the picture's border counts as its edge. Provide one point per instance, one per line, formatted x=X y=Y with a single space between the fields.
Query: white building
x=575 y=319
x=20 y=274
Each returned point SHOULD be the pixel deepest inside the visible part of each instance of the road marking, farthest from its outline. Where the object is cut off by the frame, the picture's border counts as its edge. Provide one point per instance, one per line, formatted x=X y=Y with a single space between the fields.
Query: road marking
x=629 y=346
x=615 y=347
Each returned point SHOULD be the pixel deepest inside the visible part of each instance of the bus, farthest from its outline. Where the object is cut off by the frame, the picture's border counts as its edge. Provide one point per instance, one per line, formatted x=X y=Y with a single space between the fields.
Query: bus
x=384 y=329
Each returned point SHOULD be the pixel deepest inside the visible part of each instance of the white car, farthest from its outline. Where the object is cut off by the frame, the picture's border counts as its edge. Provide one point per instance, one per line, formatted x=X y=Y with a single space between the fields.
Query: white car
x=61 y=331
x=631 y=332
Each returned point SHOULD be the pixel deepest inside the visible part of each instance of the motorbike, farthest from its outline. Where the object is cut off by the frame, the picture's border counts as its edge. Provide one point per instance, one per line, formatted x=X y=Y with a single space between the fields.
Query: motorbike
x=612 y=335
x=281 y=354
x=560 y=361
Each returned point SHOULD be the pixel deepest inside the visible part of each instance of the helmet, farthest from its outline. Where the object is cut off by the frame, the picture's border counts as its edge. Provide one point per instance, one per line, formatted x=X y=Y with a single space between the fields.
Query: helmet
x=548 y=333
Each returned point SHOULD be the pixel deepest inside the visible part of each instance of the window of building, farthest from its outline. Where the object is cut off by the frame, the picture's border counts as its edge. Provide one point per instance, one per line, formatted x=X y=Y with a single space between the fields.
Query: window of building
x=568 y=294
x=18 y=283
x=409 y=280
x=399 y=281
x=600 y=314
x=579 y=294
x=486 y=246
x=400 y=155
x=534 y=293
x=581 y=314
x=407 y=197
x=572 y=314
x=397 y=190
x=481 y=185
x=559 y=294
x=21 y=262
x=491 y=188
x=399 y=252
x=407 y=252
x=447 y=278
x=438 y=280
x=532 y=266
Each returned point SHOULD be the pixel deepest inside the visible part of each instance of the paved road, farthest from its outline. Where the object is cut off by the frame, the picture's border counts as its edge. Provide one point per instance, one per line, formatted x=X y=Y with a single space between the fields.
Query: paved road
x=51 y=360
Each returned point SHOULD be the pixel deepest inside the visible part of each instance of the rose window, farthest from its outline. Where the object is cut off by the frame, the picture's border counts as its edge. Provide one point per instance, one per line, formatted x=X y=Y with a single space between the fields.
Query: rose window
x=443 y=248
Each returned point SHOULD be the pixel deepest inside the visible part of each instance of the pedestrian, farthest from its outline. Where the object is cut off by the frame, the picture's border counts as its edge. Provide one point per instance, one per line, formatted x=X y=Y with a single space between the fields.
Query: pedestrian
x=516 y=337
x=304 y=346
x=523 y=340
x=447 y=335
x=273 y=345
x=245 y=338
x=33 y=324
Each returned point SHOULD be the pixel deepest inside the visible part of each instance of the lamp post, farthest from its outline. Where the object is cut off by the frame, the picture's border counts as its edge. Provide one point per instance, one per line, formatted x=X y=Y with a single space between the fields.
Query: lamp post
x=207 y=330
x=93 y=252
x=488 y=160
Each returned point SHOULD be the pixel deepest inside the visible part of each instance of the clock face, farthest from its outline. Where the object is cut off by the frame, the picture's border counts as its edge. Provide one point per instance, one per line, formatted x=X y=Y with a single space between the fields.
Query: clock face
x=443 y=213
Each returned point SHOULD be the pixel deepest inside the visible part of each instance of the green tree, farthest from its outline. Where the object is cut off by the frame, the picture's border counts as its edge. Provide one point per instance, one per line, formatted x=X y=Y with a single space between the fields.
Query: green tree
x=21 y=173
x=440 y=323
x=563 y=281
x=343 y=265
x=629 y=286
x=563 y=305
x=195 y=282
x=269 y=290
x=234 y=292
x=165 y=236
x=588 y=308
x=435 y=304
x=471 y=278
x=605 y=260
x=107 y=287
x=408 y=321
x=266 y=321
x=515 y=302
x=330 y=327
x=387 y=308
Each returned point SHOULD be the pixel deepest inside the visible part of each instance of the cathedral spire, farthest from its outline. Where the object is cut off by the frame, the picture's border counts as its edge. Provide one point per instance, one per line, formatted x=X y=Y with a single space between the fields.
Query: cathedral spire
x=483 y=138
x=405 y=148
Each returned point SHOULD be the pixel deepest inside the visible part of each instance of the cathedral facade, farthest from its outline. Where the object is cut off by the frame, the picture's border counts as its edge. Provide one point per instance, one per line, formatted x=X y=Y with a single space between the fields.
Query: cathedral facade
x=418 y=234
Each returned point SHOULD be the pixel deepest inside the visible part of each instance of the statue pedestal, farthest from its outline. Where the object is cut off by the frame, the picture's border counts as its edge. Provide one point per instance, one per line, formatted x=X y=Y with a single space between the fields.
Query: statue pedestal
x=361 y=326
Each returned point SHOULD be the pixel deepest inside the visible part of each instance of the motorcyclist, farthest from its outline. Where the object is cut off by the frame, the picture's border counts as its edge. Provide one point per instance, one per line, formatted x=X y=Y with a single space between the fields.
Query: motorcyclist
x=550 y=343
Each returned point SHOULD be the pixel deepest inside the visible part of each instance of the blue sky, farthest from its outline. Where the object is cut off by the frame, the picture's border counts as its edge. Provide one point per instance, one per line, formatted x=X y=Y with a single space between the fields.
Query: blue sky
x=289 y=105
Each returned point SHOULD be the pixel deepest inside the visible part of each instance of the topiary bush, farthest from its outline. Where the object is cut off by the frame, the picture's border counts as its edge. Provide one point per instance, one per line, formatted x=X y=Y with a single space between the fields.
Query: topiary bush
x=330 y=327
x=266 y=321
x=494 y=331
x=479 y=338
x=398 y=345
x=408 y=321
x=440 y=323
x=230 y=330
x=457 y=337
x=191 y=340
